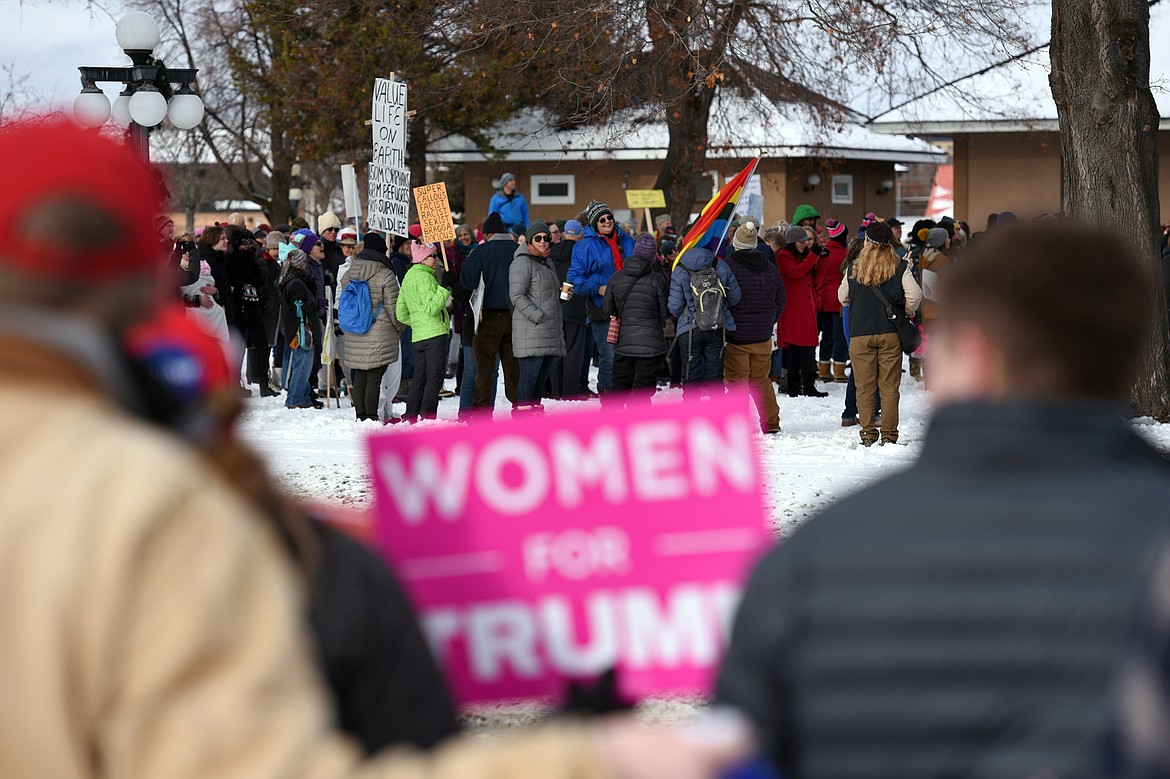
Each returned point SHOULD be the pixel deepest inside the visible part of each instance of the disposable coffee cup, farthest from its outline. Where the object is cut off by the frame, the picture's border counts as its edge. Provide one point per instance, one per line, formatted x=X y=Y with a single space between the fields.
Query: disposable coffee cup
x=566 y=290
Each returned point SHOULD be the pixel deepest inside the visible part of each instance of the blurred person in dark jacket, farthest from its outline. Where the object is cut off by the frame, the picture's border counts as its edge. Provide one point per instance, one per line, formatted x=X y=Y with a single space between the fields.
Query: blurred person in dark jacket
x=569 y=378
x=637 y=295
x=969 y=616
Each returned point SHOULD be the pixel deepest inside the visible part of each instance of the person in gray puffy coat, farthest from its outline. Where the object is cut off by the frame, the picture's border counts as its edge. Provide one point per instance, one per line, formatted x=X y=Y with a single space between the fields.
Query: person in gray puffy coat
x=368 y=353
x=538 y=336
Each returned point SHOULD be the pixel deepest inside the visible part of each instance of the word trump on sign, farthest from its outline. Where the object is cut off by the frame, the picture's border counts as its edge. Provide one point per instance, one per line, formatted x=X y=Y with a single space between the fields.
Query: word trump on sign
x=541 y=550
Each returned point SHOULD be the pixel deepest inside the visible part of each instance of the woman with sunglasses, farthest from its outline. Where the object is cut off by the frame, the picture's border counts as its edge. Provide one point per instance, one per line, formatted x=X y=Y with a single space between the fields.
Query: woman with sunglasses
x=538 y=337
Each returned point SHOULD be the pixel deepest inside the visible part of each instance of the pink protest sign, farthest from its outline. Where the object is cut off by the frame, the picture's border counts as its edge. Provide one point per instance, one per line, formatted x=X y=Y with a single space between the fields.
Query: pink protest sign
x=555 y=547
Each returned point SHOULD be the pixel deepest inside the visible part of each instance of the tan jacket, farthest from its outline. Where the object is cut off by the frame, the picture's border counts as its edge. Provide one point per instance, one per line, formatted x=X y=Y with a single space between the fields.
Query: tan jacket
x=151 y=627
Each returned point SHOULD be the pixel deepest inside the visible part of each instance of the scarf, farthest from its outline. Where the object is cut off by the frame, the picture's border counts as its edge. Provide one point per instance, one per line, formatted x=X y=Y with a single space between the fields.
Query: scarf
x=612 y=240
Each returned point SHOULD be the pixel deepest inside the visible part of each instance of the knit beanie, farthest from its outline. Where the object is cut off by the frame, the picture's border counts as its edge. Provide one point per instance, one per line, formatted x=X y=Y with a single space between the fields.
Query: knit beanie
x=327 y=221
x=309 y=241
x=504 y=179
x=273 y=240
x=534 y=229
x=795 y=233
x=594 y=211
x=936 y=238
x=661 y=220
x=879 y=233
x=375 y=242
x=493 y=224
x=420 y=251
x=836 y=229
x=646 y=247
x=745 y=236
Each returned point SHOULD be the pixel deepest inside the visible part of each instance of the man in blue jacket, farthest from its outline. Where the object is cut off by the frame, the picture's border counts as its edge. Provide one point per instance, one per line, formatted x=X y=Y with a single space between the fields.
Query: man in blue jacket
x=510 y=205
x=491 y=262
x=596 y=257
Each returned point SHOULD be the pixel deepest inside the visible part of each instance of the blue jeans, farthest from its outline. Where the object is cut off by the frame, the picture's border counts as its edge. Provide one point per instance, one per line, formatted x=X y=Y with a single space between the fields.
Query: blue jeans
x=833 y=344
x=533 y=374
x=605 y=349
x=467 y=387
x=298 y=363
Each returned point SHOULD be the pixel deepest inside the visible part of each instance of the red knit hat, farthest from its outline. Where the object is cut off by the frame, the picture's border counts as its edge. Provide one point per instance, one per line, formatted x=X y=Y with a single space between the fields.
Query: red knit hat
x=836 y=229
x=52 y=159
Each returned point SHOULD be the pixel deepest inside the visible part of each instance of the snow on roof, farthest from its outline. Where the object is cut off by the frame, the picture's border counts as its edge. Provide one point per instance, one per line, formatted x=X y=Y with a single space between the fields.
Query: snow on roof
x=1016 y=95
x=739 y=127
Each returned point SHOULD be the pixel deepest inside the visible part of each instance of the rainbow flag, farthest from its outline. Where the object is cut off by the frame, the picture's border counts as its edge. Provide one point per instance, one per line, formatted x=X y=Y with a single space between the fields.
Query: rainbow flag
x=721 y=207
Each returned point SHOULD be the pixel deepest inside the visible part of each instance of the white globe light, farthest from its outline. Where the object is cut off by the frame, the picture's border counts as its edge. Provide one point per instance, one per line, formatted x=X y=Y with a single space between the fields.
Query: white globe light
x=148 y=107
x=814 y=180
x=137 y=31
x=120 y=112
x=91 y=109
x=185 y=111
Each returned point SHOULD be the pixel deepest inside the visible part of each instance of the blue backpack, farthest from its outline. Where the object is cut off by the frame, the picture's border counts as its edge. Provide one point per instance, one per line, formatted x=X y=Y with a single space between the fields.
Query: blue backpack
x=355 y=312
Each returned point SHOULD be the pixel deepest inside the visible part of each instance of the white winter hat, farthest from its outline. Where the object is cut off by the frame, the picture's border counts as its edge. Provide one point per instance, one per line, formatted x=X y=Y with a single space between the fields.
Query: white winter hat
x=327 y=221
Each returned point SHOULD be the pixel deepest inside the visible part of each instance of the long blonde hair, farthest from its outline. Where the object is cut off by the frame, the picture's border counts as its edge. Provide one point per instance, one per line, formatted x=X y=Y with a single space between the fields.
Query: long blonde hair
x=875 y=265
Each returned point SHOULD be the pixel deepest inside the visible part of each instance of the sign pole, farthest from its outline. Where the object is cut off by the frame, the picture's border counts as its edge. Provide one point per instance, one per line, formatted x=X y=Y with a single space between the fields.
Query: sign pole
x=649 y=223
x=443 y=249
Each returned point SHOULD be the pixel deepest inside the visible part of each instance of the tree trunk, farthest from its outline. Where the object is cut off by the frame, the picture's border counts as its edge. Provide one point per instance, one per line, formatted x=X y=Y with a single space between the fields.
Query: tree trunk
x=279 y=207
x=416 y=156
x=686 y=154
x=1108 y=133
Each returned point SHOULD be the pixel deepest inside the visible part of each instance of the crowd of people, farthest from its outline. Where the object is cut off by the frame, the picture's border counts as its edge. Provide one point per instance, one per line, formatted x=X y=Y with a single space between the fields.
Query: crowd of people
x=780 y=308
x=169 y=612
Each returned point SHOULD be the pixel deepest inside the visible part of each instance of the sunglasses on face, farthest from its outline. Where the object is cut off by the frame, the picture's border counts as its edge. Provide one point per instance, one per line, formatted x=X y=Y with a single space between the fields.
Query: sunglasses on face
x=604 y=218
x=330 y=230
x=542 y=238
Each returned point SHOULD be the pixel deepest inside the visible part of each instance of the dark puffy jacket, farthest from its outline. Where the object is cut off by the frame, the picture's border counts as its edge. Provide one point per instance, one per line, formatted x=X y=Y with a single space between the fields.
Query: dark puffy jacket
x=593 y=263
x=376 y=660
x=972 y=630
x=491 y=261
x=317 y=273
x=682 y=299
x=334 y=259
x=270 y=300
x=302 y=288
x=637 y=295
x=761 y=298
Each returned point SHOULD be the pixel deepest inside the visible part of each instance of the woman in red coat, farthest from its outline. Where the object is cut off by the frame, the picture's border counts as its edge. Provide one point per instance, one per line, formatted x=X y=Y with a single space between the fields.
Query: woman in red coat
x=834 y=351
x=796 y=333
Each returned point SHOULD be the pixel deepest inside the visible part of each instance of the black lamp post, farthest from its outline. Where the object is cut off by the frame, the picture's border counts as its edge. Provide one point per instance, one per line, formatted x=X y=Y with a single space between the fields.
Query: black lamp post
x=142 y=105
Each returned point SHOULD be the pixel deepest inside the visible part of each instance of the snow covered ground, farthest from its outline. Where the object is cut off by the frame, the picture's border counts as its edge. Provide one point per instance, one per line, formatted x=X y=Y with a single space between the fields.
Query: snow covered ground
x=319 y=455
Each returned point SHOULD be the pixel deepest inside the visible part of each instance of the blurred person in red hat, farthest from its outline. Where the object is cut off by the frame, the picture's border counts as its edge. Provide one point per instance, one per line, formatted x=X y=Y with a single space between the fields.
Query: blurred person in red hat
x=152 y=618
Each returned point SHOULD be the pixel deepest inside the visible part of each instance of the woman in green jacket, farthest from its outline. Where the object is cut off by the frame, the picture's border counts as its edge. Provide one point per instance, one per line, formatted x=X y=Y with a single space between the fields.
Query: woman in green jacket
x=422 y=305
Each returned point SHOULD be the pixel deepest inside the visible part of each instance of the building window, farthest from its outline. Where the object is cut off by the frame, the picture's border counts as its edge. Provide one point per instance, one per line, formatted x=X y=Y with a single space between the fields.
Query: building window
x=842 y=190
x=553 y=190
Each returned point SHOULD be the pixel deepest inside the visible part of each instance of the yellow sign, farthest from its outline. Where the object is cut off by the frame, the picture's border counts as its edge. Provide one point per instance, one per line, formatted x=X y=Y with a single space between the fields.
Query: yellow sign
x=434 y=213
x=645 y=198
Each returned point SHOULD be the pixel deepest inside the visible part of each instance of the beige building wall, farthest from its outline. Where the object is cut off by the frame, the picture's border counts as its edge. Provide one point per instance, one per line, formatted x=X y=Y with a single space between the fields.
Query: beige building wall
x=782 y=183
x=1017 y=172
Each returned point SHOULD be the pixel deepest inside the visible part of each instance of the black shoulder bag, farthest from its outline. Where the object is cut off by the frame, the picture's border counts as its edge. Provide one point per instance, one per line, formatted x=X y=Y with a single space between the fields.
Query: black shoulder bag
x=908 y=333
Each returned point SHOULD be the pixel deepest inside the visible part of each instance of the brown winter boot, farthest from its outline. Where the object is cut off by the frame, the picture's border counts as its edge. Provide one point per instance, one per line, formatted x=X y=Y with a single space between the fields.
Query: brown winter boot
x=839 y=373
x=916 y=369
x=823 y=371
